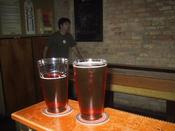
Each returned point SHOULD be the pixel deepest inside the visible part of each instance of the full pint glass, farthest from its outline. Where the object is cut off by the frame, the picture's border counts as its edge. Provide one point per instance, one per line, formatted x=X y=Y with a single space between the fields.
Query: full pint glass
x=90 y=83
x=54 y=83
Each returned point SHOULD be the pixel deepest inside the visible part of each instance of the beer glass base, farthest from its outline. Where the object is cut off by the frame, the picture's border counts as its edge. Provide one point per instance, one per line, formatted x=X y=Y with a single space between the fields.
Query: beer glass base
x=64 y=113
x=102 y=120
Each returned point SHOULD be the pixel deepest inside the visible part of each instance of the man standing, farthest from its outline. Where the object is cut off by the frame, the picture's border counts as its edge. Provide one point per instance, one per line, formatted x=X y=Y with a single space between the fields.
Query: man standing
x=60 y=42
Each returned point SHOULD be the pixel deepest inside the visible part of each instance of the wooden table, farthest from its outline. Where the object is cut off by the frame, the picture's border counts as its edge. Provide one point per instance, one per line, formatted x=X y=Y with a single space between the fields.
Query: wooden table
x=119 y=120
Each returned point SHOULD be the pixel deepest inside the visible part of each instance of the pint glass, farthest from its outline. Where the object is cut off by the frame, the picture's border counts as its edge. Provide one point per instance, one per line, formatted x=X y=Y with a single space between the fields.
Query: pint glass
x=54 y=84
x=90 y=83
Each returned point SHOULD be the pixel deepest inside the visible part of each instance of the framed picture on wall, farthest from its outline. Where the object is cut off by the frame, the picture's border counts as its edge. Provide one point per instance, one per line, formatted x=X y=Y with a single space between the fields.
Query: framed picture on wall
x=29 y=17
x=88 y=20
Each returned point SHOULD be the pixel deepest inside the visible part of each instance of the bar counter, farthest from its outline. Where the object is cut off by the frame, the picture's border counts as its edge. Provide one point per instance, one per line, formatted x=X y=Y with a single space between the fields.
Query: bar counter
x=32 y=117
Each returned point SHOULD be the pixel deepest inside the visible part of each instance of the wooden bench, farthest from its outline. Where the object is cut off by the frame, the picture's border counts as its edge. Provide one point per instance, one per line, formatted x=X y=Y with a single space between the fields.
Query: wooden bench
x=144 y=81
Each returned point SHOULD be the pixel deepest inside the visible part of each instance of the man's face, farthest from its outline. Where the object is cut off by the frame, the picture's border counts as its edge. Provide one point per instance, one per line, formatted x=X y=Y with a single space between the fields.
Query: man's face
x=66 y=27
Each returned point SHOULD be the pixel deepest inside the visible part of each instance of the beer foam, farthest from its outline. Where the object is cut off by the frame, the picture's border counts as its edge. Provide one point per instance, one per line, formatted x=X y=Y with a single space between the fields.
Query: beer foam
x=53 y=78
x=90 y=64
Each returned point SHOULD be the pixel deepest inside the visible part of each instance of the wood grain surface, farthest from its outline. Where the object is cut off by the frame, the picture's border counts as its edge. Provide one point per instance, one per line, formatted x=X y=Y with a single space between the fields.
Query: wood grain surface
x=119 y=121
x=17 y=73
x=141 y=85
x=38 y=44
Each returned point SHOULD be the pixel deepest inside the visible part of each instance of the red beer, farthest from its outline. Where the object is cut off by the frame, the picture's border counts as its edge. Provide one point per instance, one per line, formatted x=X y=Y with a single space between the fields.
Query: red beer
x=55 y=88
x=90 y=82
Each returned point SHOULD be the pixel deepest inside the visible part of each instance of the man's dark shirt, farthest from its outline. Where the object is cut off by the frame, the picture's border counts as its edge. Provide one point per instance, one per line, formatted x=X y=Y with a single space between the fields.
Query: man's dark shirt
x=58 y=45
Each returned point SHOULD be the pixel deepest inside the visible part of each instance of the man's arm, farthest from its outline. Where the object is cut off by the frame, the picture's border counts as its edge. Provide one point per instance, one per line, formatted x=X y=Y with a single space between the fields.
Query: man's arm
x=77 y=52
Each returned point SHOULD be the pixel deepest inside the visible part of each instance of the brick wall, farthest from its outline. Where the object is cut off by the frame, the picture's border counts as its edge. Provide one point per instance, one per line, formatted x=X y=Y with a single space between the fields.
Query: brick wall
x=61 y=8
x=136 y=32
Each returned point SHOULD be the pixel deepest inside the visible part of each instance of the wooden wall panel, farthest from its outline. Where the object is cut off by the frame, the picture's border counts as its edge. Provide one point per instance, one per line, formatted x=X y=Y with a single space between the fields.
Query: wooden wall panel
x=38 y=44
x=17 y=73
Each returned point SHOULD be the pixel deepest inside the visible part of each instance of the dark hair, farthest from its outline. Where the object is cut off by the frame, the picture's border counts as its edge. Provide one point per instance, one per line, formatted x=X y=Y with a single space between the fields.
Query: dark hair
x=63 y=20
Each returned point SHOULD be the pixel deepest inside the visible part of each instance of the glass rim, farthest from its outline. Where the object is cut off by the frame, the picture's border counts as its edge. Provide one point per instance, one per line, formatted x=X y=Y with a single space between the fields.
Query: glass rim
x=89 y=63
x=52 y=59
